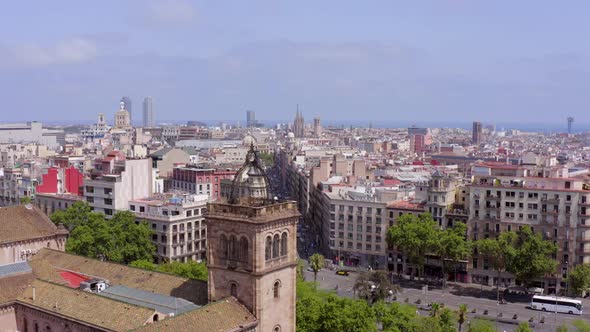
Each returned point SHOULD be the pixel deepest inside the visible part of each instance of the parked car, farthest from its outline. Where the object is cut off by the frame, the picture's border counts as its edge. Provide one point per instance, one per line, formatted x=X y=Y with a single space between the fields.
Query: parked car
x=342 y=273
x=535 y=290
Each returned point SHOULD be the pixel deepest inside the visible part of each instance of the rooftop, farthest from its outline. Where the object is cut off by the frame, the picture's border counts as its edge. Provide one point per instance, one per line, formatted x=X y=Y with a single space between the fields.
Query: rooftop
x=48 y=263
x=221 y=316
x=85 y=306
x=23 y=222
x=253 y=210
x=161 y=303
x=406 y=205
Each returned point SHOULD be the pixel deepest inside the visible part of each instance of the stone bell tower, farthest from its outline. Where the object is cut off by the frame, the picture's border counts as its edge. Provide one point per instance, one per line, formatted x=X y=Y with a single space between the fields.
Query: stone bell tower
x=252 y=249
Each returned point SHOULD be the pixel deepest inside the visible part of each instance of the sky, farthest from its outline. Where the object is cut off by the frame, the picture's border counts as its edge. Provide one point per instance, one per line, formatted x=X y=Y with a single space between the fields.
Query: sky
x=498 y=61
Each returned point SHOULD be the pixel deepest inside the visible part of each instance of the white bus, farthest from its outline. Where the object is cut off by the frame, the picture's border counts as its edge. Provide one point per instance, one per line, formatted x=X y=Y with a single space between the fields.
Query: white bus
x=556 y=304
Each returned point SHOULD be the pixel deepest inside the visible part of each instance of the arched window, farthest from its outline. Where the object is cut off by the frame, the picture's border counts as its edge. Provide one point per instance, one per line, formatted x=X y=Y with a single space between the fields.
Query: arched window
x=156 y=317
x=233 y=247
x=284 y=244
x=244 y=249
x=277 y=329
x=25 y=325
x=36 y=327
x=275 y=288
x=268 y=248
x=233 y=290
x=223 y=246
x=275 y=246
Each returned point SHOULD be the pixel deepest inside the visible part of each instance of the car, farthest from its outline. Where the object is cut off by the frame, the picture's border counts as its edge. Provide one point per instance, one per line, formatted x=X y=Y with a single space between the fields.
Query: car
x=535 y=291
x=342 y=273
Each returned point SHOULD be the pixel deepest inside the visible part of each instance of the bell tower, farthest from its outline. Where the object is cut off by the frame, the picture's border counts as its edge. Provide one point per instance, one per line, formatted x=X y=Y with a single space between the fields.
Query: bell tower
x=252 y=249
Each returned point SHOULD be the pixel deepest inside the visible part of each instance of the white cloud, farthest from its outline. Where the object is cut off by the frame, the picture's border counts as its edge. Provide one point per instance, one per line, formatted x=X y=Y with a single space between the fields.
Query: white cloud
x=171 y=12
x=66 y=51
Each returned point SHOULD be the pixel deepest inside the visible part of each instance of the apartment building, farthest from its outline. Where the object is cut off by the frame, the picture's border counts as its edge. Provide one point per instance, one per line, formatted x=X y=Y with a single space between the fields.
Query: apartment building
x=507 y=198
x=116 y=180
x=178 y=224
x=357 y=227
x=199 y=180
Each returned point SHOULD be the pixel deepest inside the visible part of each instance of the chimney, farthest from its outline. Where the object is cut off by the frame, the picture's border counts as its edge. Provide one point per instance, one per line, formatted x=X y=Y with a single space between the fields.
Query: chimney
x=33 y=293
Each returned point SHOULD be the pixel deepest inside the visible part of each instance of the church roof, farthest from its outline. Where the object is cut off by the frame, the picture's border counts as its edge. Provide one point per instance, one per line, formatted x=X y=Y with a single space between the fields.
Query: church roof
x=251 y=178
x=221 y=316
x=48 y=263
x=23 y=222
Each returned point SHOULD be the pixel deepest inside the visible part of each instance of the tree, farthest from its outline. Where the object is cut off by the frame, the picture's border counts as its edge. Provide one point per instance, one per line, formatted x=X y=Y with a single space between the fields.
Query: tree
x=452 y=244
x=414 y=236
x=321 y=311
x=316 y=262
x=131 y=241
x=25 y=200
x=191 y=269
x=581 y=326
x=480 y=325
x=533 y=257
x=434 y=309
x=579 y=280
x=447 y=320
x=561 y=328
x=77 y=214
x=300 y=269
x=374 y=286
x=118 y=240
x=499 y=252
x=461 y=315
x=523 y=327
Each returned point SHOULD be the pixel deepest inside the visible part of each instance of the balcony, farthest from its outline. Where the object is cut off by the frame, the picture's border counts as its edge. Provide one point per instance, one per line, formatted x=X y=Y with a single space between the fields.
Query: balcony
x=583 y=238
x=585 y=251
x=550 y=200
x=550 y=212
x=493 y=197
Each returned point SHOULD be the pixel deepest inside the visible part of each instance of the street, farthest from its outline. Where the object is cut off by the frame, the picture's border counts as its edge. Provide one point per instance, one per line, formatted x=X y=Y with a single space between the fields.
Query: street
x=479 y=298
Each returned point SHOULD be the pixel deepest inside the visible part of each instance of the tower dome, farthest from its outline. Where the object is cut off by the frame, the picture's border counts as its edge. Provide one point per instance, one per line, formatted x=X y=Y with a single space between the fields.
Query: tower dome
x=251 y=180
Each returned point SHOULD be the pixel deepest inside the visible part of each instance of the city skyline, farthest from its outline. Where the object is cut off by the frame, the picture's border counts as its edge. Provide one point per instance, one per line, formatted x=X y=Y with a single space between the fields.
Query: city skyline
x=389 y=61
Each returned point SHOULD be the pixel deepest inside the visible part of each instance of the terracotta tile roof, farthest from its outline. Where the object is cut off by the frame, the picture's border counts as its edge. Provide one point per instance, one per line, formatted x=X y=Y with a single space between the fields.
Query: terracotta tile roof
x=406 y=205
x=24 y=222
x=13 y=286
x=86 y=307
x=221 y=316
x=48 y=263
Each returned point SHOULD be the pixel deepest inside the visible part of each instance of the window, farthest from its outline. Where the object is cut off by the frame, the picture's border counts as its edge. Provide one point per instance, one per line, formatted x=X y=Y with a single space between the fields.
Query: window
x=277 y=329
x=233 y=247
x=275 y=246
x=141 y=209
x=132 y=207
x=223 y=246
x=284 y=244
x=276 y=288
x=234 y=290
x=244 y=249
x=267 y=248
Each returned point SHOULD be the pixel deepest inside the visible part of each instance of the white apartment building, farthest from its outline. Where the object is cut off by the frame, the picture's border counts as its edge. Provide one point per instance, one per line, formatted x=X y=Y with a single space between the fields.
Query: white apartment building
x=507 y=198
x=358 y=227
x=119 y=181
x=178 y=224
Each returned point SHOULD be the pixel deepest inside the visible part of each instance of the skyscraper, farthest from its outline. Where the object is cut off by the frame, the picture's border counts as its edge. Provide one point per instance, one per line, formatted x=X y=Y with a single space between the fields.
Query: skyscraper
x=317 y=127
x=477 y=131
x=299 y=124
x=148 y=112
x=127 y=102
x=250 y=119
x=570 y=121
